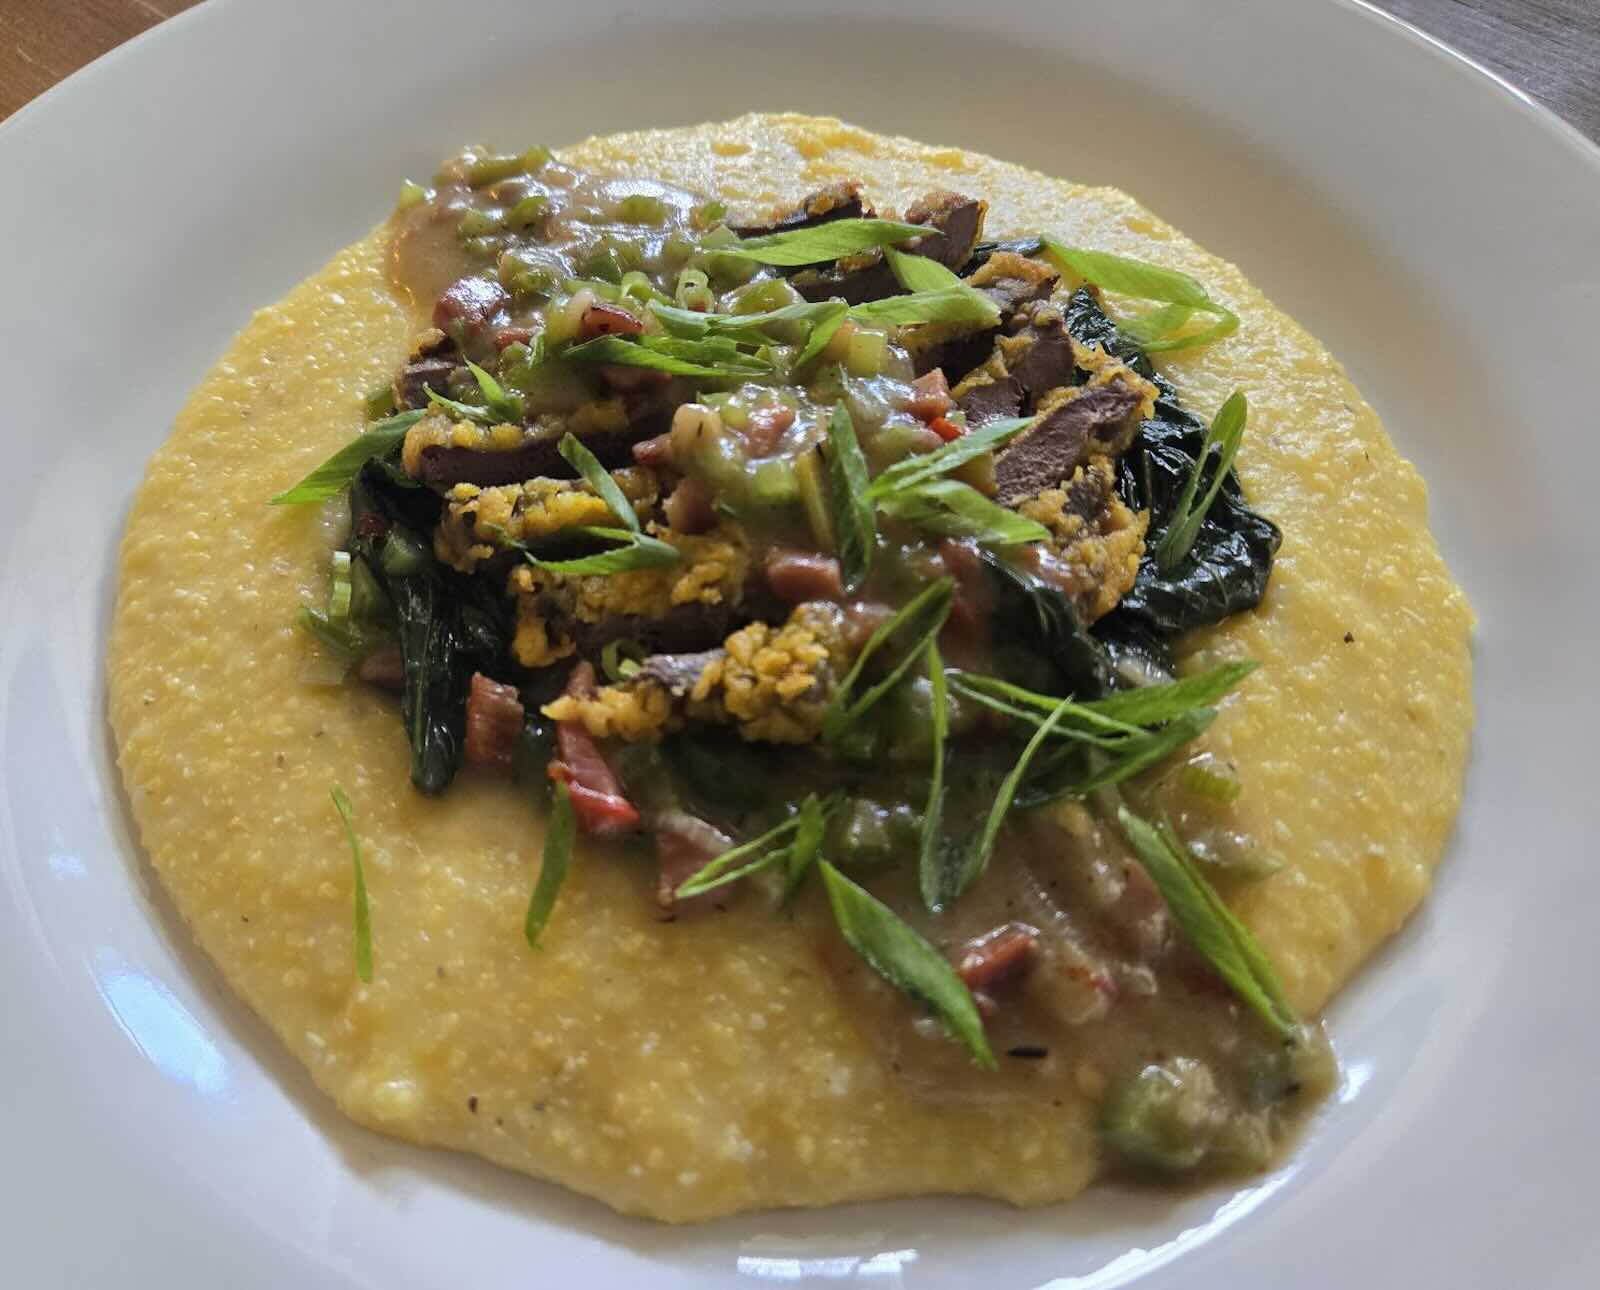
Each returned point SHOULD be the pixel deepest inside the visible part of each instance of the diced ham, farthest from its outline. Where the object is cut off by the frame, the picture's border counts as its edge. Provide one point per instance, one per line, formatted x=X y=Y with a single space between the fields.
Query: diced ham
x=685 y=844
x=766 y=428
x=494 y=723
x=798 y=576
x=605 y=319
x=508 y=336
x=626 y=380
x=999 y=957
x=471 y=302
x=930 y=396
x=947 y=429
x=596 y=792
x=655 y=451
x=383 y=668
x=690 y=508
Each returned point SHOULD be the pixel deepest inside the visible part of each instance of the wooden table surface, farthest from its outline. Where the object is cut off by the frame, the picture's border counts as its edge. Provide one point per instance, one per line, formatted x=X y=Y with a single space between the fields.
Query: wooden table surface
x=1550 y=48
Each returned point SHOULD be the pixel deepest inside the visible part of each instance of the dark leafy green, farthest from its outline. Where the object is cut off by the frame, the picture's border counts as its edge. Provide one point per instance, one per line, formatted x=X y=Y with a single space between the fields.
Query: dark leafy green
x=1033 y=624
x=1227 y=566
x=448 y=626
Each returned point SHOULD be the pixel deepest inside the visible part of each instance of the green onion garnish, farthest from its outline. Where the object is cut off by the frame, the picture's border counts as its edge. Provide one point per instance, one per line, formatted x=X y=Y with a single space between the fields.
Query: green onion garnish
x=1223 y=437
x=341 y=803
x=894 y=950
x=822 y=242
x=335 y=474
x=560 y=831
x=1210 y=926
x=1160 y=329
x=924 y=616
x=854 y=528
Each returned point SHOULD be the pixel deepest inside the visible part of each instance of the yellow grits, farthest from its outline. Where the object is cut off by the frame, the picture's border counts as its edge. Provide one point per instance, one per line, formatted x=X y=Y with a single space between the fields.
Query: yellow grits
x=697 y=1068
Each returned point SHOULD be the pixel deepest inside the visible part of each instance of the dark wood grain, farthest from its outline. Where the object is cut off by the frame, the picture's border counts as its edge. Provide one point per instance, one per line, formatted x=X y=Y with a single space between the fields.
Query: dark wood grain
x=1550 y=48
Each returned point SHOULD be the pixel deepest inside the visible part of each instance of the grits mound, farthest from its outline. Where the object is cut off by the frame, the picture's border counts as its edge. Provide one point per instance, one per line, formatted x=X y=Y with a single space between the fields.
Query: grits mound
x=707 y=1066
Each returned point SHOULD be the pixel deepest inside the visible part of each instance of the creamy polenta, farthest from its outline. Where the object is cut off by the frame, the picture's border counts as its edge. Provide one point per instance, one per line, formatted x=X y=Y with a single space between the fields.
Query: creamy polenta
x=730 y=1058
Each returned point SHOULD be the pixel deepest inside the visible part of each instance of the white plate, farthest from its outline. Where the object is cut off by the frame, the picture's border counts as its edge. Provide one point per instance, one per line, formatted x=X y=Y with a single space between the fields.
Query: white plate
x=1439 y=232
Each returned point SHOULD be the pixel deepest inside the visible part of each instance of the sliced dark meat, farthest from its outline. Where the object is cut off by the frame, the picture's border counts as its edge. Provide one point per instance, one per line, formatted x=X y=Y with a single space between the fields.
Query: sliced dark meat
x=1040 y=355
x=1020 y=371
x=954 y=356
x=989 y=400
x=837 y=201
x=999 y=957
x=433 y=358
x=684 y=629
x=416 y=379
x=1014 y=283
x=685 y=844
x=1098 y=421
x=494 y=723
x=1013 y=280
x=956 y=222
x=677 y=672
x=537 y=455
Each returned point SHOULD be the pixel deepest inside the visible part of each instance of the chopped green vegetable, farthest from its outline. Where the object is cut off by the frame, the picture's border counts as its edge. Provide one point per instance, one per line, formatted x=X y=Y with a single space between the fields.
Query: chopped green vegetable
x=578 y=456
x=924 y=615
x=823 y=329
x=1223 y=437
x=1208 y=777
x=821 y=242
x=335 y=474
x=1210 y=926
x=410 y=194
x=854 y=529
x=341 y=803
x=379 y=402
x=620 y=659
x=556 y=858
x=893 y=950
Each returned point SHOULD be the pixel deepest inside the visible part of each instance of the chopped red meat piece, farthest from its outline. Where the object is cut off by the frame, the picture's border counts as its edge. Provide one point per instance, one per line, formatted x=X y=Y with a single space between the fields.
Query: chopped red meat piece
x=494 y=723
x=930 y=398
x=799 y=576
x=998 y=957
x=596 y=792
x=603 y=319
